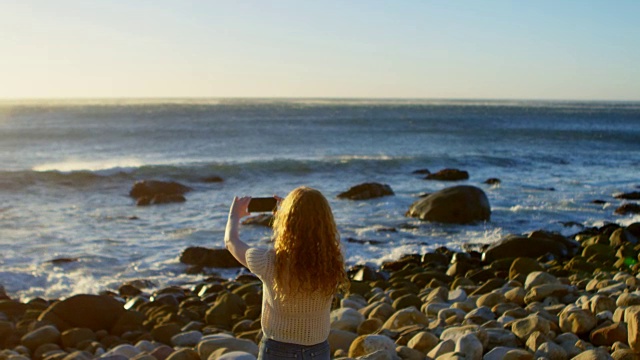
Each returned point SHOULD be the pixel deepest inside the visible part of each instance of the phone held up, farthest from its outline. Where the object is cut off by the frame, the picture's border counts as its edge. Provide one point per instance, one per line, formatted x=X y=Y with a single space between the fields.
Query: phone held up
x=266 y=204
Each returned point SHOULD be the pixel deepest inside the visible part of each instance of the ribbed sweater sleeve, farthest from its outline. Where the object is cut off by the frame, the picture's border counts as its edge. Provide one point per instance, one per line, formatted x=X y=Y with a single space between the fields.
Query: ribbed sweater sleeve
x=257 y=261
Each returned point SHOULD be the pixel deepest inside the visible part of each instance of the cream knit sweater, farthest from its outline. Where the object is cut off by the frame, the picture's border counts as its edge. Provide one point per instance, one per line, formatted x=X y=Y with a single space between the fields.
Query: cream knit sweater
x=300 y=319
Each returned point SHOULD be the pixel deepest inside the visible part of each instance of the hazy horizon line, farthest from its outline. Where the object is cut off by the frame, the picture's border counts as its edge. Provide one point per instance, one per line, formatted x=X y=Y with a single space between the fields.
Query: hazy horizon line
x=301 y=98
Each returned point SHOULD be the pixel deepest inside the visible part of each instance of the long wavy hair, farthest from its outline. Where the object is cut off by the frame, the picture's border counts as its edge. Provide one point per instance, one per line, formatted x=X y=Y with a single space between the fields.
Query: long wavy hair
x=307 y=244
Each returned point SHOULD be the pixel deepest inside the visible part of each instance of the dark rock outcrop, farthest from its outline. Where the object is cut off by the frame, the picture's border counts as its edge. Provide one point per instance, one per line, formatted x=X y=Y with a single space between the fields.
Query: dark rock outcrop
x=149 y=192
x=216 y=258
x=629 y=208
x=536 y=244
x=457 y=205
x=96 y=312
x=634 y=195
x=448 y=175
x=366 y=191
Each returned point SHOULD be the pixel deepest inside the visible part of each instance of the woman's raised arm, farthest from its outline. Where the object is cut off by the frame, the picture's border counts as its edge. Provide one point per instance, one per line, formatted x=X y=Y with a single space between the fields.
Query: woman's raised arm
x=232 y=241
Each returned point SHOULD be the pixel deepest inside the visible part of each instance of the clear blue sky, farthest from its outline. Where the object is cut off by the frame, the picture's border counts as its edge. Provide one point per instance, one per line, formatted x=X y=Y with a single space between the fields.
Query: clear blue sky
x=298 y=48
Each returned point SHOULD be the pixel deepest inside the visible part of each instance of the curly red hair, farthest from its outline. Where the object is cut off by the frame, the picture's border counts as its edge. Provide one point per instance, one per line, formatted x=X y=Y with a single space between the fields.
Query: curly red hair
x=308 y=254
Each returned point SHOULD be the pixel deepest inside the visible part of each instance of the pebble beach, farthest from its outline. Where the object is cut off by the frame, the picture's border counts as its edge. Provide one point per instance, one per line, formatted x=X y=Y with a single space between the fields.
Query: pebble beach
x=580 y=304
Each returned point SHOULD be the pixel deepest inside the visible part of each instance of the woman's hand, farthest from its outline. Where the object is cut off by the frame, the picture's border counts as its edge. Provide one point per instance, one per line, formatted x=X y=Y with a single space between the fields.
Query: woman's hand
x=239 y=207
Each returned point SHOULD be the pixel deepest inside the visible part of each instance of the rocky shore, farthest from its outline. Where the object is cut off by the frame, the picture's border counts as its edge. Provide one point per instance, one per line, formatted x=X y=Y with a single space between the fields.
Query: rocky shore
x=569 y=298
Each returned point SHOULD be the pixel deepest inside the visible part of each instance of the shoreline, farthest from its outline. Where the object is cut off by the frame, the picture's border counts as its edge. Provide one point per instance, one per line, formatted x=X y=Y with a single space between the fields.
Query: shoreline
x=580 y=296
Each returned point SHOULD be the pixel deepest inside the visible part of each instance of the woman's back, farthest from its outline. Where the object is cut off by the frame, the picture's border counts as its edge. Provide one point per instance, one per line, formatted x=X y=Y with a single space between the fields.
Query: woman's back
x=299 y=318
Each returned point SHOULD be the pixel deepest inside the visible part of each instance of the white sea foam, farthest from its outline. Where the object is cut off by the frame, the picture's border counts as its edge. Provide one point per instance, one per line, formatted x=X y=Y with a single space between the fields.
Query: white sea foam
x=88 y=165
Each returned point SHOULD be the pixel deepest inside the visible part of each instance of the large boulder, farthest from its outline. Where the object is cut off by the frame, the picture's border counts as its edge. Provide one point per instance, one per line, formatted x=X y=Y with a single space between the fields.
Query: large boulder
x=366 y=191
x=369 y=344
x=227 y=308
x=457 y=205
x=148 y=192
x=536 y=244
x=216 y=258
x=448 y=175
x=629 y=208
x=96 y=312
x=211 y=343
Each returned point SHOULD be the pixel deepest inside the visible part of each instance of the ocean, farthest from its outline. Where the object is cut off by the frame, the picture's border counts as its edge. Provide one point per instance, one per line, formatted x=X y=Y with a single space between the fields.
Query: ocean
x=68 y=226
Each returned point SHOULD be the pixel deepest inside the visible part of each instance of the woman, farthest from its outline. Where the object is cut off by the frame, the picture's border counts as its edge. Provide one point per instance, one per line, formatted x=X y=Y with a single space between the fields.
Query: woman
x=300 y=274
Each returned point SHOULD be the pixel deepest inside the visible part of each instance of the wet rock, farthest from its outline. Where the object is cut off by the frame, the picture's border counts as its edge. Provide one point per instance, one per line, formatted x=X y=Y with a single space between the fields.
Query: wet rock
x=624 y=354
x=184 y=354
x=151 y=188
x=405 y=317
x=227 y=307
x=470 y=346
x=535 y=245
x=341 y=340
x=216 y=258
x=632 y=317
x=634 y=195
x=406 y=353
x=593 y=354
x=609 y=335
x=629 y=208
x=211 y=343
x=456 y=332
x=406 y=301
x=236 y=355
x=72 y=337
x=448 y=175
x=550 y=350
x=346 y=319
x=524 y=327
x=490 y=299
x=457 y=205
x=442 y=348
x=480 y=315
x=126 y=350
x=369 y=344
x=541 y=292
x=503 y=352
x=366 y=191
x=89 y=311
x=79 y=355
x=369 y=326
x=522 y=267
x=501 y=337
x=188 y=338
x=12 y=309
x=44 y=335
x=621 y=237
x=577 y=321
x=628 y=299
x=423 y=341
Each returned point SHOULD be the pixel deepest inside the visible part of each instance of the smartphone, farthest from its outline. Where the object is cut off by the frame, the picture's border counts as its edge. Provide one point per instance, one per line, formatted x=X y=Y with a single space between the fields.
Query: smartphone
x=266 y=204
